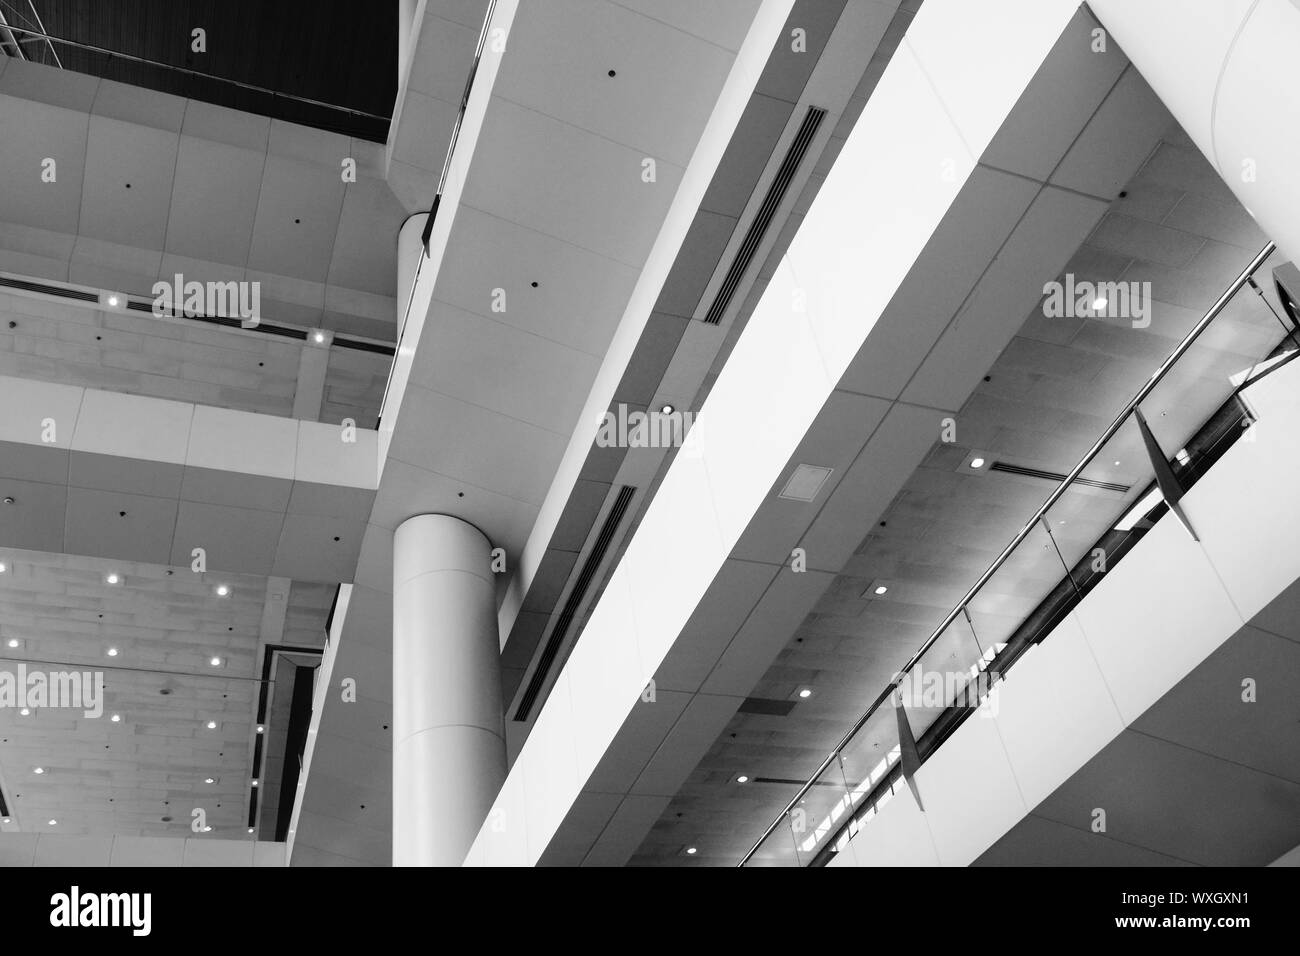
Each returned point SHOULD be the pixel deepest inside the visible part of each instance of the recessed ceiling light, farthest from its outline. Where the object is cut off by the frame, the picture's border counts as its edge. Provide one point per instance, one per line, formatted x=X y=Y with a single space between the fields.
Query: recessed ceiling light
x=1099 y=303
x=13 y=642
x=260 y=728
x=113 y=578
x=209 y=780
x=207 y=829
x=805 y=482
x=250 y=829
x=222 y=590
x=318 y=337
x=54 y=823
x=115 y=300
x=880 y=589
x=691 y=851
x=212 y=725
x=215 y=662
x=667 y=410
x=977 y=462
x=743 y=778
x=255 y=781
x=3 y=568
x=7 y=820
x=805 y=693
x=25 y=712
x=112 y=652
x=116 y=718
x=38 y=770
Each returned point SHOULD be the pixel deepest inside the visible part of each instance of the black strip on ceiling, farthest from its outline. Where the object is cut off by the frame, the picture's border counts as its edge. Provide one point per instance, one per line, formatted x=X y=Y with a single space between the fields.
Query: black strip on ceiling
x=294 y=746
x=1052 y=476
x=570 y=610
x=766 y=213
x=44 y=289
x=766 y=705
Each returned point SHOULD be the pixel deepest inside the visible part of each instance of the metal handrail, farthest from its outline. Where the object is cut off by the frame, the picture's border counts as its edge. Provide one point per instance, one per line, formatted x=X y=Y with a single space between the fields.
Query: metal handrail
x=1025 y=531
x=90 y=47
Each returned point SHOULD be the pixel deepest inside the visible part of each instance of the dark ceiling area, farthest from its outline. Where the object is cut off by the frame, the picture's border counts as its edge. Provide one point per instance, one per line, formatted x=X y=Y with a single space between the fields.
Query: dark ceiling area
x=342 y=55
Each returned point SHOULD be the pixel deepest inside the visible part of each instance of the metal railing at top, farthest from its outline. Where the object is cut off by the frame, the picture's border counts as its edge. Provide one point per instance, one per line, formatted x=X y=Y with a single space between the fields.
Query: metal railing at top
x=1124 y=416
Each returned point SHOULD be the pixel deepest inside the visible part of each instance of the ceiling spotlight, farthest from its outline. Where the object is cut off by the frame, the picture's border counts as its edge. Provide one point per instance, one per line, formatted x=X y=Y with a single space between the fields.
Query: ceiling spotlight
x=318 y=337
x=222 y=590
x=250 y=829
x=54 y=823
x=13 y=642
x=880 y=589
x=25 y=712
x=112 y=652
x=3 y=567
x=7 y=820
x=255 y=781
x=116 y=718
x=113 y=578
x=977 y=462
x=1099 y=303
x=209 y=780
x=114 y=300
x=215 y=662
x=667 y=410
x=805 y=693
x=212 y=725
x=260 y=728
x=38 y=770
x=691 y=851
x=207 y=829
x=743 y=778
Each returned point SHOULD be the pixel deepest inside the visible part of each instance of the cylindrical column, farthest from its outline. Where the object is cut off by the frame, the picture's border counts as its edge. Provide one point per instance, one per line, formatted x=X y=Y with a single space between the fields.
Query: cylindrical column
x=1225 y=69
x=449 y=753
x=409 y=251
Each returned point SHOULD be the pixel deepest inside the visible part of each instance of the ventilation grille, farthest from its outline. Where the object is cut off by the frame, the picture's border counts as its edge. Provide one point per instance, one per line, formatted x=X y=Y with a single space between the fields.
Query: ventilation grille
x=570 y=610
x=766 y=212
x=766 y=705
x=44 y=289
x=1055 y=477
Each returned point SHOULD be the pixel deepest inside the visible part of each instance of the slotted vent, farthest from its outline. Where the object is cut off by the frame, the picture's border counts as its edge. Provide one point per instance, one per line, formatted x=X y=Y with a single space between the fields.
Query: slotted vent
x=1052 y=476
x=44 y=289
x=570 y=610
x=766 y=212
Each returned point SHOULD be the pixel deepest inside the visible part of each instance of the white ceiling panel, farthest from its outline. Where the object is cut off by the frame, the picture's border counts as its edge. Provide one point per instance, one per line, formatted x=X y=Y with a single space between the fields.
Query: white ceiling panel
x=297 y=219
x=365 y=254
x=48 y=133
x=214 y=201
x=576 y=289
x=128 y=182
x=724 y=22
x=657 y=102
x=569 y=184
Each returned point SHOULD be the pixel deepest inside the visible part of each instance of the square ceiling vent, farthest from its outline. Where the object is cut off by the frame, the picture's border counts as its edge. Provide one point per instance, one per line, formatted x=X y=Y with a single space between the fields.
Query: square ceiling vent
x=805 y=483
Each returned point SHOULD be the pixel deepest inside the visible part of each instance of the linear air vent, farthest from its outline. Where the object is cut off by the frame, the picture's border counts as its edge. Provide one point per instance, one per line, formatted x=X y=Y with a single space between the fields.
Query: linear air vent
x=766 y=213
x=766 y=705
x=570 y=610
x=1054 y=477
x=43 y=289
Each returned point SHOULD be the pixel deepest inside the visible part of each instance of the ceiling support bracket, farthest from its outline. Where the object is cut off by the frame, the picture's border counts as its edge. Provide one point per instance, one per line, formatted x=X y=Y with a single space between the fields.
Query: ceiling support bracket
x=1170 y=487
x=909 y=756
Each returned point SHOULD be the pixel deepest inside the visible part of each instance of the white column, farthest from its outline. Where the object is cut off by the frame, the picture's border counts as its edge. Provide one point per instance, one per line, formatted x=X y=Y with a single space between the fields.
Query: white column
x=405 y=32
x=1226 y=70
x=449 y=753
x=409 y=252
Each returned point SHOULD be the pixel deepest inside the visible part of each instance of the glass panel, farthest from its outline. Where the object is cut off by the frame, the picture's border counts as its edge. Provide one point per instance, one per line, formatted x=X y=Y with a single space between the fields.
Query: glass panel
x=821 y=813
x=1013 y=592
x=940 y=676
x=778 y=849
x=866 y=762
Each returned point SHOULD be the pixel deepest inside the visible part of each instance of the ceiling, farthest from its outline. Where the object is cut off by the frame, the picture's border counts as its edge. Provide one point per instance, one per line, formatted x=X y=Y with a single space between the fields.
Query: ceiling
x=148 y=185
x=331 y=53
x=1045 y=400
x=103 y=777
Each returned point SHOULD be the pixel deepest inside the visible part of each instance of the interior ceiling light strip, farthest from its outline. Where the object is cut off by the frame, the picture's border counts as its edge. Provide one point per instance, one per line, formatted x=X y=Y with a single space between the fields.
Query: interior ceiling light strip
x=1053 y=476
x=570 y=610
x=146 y=307
x=766 y=213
